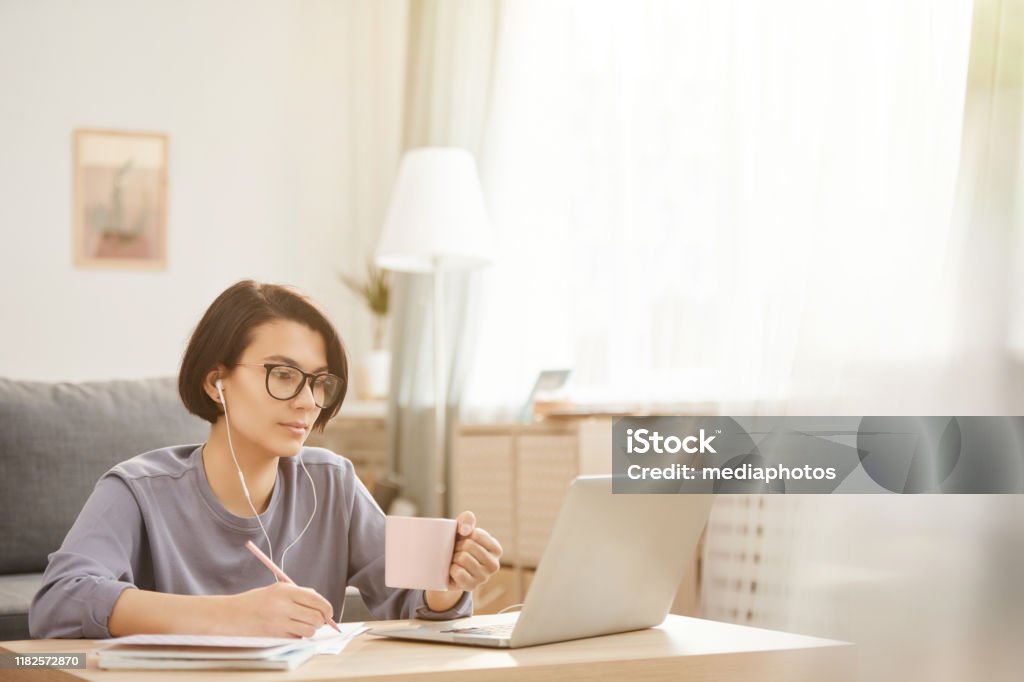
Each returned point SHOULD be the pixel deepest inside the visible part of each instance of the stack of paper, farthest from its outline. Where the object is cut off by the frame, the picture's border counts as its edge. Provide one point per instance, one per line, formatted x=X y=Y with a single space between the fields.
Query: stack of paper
x=203 y=652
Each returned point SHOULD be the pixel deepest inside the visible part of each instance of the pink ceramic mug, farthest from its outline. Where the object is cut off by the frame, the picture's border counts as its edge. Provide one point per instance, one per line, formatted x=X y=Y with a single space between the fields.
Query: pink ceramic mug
x=418 y=552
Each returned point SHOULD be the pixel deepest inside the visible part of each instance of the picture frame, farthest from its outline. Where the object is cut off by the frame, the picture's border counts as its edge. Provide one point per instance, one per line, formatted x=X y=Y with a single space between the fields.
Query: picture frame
x=120 y=199
x=549 y=380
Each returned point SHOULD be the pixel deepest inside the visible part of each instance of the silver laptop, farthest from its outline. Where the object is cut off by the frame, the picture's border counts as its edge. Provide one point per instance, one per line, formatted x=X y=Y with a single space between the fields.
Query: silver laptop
x=613 y=564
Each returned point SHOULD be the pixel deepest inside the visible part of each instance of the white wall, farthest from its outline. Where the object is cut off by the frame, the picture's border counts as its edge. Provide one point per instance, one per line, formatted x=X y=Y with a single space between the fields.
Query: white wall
x=256 y=99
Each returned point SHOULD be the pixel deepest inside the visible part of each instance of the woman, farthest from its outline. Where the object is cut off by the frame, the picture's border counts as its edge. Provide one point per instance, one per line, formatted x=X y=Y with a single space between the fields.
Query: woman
x=160 y=545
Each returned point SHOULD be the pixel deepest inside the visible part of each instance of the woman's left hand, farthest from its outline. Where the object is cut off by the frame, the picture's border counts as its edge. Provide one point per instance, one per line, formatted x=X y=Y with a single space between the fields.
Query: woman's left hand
x=476 y=555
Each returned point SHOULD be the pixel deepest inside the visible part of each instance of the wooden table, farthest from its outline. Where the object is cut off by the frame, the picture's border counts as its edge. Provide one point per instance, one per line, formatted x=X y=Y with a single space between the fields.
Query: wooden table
x=680 y=648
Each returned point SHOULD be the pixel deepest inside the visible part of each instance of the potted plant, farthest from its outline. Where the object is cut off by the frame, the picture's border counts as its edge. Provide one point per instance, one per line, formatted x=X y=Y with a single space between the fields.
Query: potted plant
x=375 y=291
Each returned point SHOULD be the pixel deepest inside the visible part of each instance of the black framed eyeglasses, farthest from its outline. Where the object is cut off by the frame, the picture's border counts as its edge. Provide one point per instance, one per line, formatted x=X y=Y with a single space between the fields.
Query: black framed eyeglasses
x=284 y=382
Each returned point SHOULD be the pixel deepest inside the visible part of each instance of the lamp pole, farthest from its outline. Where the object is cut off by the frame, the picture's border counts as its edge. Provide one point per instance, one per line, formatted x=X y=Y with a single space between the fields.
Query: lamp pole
x=439 y=470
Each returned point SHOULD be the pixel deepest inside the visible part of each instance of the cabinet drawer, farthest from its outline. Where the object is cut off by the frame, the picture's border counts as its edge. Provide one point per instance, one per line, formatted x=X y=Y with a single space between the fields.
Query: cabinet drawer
x=480 y=483
x=546 y=466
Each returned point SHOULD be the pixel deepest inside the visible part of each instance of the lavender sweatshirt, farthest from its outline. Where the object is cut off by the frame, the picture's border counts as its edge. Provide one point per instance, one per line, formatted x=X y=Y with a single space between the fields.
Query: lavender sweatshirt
x=154 y=523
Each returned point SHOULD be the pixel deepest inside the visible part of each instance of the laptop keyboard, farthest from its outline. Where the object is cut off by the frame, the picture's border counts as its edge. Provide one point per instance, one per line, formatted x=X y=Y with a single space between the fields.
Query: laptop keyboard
x=501 y=630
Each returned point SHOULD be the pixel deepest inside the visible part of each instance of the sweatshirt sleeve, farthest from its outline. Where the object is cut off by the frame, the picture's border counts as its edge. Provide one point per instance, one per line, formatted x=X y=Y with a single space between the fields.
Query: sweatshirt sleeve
x=93 y=566
x=366 y=565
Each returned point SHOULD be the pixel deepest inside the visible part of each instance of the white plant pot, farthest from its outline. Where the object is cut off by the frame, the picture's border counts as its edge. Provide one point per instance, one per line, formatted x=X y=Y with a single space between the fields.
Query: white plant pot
x=377 y=367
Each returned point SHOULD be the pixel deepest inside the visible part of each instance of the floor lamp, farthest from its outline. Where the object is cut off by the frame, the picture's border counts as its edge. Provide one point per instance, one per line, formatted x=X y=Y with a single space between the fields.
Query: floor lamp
x=436 y=223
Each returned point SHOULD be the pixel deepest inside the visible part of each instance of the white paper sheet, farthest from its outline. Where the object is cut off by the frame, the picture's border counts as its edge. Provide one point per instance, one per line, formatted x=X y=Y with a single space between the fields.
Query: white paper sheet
x=329 y=641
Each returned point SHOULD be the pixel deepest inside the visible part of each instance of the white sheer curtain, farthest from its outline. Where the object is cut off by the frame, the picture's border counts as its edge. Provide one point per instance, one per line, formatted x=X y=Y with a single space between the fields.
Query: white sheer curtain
x=729 y=201
x=748 y=201
x=926 y=585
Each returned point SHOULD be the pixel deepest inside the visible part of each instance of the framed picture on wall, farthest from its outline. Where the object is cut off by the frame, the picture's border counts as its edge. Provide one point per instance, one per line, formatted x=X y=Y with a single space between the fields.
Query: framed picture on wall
x=120 y=203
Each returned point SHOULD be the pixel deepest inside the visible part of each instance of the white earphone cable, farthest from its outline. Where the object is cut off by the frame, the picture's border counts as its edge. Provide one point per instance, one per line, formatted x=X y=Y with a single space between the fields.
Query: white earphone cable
x=245 y=489
x=313 y=489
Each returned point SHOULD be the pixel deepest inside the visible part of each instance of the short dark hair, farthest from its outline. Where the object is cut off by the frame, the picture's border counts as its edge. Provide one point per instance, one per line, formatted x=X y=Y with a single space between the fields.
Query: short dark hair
x=225 y=331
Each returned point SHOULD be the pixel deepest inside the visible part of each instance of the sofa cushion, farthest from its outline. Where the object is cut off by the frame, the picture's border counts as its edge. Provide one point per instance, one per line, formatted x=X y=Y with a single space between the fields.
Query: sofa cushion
x=16 y=592
x=57 y=439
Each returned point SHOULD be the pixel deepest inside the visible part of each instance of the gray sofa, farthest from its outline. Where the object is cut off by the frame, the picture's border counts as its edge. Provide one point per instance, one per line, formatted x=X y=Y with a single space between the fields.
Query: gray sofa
x=56 y=440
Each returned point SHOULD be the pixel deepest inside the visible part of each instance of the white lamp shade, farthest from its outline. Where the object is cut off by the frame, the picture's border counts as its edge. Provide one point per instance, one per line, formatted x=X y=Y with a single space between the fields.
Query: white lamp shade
x=436 y=218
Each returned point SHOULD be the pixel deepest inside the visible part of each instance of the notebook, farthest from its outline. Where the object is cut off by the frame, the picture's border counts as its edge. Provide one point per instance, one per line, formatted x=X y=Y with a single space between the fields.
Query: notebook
x=202 y=652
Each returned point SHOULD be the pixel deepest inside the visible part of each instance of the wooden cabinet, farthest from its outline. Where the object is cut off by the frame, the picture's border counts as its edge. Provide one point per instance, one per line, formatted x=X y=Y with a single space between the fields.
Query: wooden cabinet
x=545 y=465
x=360 y=433
x=482 y=481
x=506 y=588
x=514 y=478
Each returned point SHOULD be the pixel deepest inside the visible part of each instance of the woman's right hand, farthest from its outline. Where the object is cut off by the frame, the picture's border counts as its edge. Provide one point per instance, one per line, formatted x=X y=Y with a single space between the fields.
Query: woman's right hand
x=278 y=610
